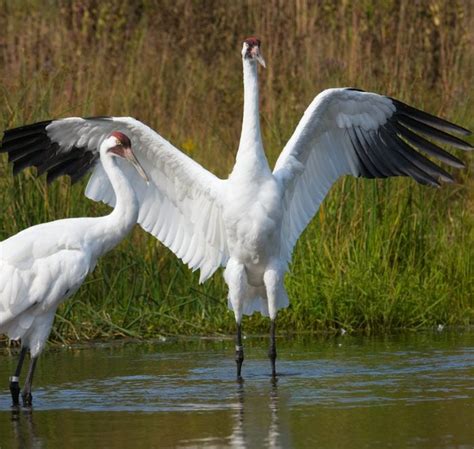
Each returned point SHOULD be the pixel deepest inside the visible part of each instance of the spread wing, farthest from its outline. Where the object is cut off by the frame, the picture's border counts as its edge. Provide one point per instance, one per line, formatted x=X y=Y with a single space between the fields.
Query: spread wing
x=351 y=132
x=181 y=206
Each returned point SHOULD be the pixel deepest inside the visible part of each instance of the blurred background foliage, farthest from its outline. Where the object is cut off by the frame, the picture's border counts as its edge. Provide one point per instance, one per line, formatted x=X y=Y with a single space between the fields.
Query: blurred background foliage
x=379 y=255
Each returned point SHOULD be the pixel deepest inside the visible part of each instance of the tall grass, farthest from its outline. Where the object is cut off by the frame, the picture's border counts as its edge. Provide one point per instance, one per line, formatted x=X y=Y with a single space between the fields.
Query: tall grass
x=379 y=255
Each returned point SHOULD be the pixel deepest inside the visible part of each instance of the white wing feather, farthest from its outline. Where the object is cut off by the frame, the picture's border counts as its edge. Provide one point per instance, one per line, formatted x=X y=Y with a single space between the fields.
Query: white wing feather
x=181 y=206
x=320 y=152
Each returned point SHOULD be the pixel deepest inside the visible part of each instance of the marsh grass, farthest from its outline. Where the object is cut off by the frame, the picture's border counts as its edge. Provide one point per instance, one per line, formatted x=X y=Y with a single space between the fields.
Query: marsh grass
x=379 y=255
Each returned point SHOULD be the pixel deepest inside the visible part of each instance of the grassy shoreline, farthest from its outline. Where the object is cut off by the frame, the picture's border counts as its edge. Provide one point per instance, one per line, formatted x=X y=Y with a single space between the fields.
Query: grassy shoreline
x=380 y=255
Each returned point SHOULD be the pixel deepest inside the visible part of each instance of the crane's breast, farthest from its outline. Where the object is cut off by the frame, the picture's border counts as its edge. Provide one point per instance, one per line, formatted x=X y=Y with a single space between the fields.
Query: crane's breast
x=252 y=217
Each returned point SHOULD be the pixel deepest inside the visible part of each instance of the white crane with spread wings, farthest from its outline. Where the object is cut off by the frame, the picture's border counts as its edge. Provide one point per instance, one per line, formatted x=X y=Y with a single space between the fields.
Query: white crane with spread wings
x=250 y=222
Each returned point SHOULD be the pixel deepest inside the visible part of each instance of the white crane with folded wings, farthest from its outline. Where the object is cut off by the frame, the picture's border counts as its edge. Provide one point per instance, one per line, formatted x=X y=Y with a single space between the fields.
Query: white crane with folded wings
x=250 y=222
x=42 y=266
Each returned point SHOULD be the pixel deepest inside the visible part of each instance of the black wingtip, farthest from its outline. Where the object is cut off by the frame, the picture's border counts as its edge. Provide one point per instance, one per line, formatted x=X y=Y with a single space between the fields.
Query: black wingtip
x=15 y=134
x=429 y=119
x=355 y=89
x=26 y=145
x=432 y=130
x=427 y=146
x=30 y=145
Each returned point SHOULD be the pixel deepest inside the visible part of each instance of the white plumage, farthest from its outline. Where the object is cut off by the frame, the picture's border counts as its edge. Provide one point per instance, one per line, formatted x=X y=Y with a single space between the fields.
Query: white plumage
x=181 y=206
x=250 y=222
x=42 y=266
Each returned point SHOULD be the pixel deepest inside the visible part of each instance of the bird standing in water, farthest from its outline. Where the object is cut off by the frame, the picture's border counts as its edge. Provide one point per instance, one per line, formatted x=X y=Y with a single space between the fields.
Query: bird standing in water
x=40 y=267
x=250 y=222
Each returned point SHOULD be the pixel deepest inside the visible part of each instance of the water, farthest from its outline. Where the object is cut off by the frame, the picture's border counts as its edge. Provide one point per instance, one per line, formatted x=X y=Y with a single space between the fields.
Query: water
x=408 y=391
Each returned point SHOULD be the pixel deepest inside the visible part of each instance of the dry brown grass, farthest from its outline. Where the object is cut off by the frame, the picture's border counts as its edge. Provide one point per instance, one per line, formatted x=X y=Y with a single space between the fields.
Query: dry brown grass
x=176 y=65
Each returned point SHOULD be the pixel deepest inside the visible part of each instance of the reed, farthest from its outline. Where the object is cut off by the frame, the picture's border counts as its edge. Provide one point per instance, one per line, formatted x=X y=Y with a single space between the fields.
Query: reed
x=379 y=255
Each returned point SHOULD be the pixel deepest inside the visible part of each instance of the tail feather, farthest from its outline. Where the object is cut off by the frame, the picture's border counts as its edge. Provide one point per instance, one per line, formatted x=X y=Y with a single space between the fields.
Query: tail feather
x=256 y=301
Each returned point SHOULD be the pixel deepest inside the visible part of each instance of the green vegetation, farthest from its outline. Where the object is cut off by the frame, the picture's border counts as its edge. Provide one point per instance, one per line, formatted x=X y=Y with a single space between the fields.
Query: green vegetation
x=379 y=255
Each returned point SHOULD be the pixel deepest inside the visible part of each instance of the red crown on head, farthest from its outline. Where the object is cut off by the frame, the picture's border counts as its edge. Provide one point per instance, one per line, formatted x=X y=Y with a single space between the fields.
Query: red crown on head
x=122 y=138
x=252 y=41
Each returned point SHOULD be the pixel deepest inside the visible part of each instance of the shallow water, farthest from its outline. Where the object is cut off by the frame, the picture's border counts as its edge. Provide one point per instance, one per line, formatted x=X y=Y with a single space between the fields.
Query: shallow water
x=347 y=392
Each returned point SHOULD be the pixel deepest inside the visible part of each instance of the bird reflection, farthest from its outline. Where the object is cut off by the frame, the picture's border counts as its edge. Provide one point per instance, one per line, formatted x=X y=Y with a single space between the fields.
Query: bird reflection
x=273 y=438
x=24 y=430
x=237 y=439
x=250 y=420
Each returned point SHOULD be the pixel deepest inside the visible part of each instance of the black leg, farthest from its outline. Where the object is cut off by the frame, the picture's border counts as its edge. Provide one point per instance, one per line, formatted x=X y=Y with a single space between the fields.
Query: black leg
x=239 y=351
x=272 y=353
x=15 y=379
x=26 y=395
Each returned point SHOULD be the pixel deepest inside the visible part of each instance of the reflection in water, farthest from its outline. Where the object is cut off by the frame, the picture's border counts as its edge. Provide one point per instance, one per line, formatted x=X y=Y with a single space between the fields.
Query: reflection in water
x=237 y=439
x=24 y=430
x=273 y=429
x=415 y=391
x=243 y=432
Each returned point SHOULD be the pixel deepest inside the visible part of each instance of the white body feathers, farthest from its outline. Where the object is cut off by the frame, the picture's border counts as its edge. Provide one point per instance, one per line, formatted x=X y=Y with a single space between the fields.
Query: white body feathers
x=42 y=266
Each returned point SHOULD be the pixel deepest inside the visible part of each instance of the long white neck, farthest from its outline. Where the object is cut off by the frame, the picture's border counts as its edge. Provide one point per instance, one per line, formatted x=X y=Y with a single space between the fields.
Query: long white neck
x=251 y=156
x=115 y=226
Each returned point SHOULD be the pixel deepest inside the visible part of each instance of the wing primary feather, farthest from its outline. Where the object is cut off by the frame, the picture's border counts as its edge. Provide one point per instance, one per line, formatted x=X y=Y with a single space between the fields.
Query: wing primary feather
x=69 y=167
x=435 y=133
x=33 y=142
x=372 y=153
x=386 y=152
x=369 y=170
x=405 y=166
x=20 y=153
x=427 y=146
x=419 y=160
x=82 y=170
x=24 y=131
x=429 y=119
x=55 y=161
x=412 y=168
x=28 y=161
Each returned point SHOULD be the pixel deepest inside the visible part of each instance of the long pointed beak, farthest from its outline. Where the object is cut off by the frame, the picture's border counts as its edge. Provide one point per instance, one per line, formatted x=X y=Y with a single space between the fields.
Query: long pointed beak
x=257 y=55
x=134 y=161
x=260 y=59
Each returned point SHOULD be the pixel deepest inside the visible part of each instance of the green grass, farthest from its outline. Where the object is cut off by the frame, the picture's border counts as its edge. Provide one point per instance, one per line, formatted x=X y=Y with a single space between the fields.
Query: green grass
x=380 y=254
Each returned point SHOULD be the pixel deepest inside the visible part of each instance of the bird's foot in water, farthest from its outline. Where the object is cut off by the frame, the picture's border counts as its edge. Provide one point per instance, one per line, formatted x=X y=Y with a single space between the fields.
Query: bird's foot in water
x=274 y=380
x=272 y=355
x=15 y=391
x=27 y=399
x=239 y=358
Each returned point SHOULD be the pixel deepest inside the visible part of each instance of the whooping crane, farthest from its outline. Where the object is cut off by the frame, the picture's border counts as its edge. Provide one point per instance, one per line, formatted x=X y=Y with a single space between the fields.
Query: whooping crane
x=250 y=222
x=41 y=266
